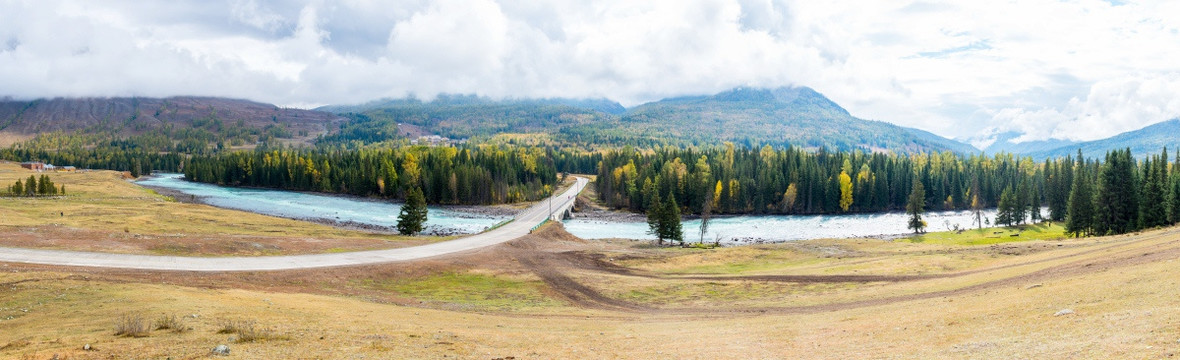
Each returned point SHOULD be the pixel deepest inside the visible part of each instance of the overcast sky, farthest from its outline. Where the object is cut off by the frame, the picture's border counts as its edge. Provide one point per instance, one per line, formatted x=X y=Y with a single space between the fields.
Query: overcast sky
x=1080 y=70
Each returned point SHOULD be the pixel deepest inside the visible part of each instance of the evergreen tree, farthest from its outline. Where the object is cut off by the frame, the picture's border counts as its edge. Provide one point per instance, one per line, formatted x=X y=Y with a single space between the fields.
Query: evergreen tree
x=1154 y=208
x=670 y=221
x=1006 y=213
x=1034 y=207
x=1079 y=220
x=655 y=217
x=1174 y=208
x=18 y=189
x=1020 y=203
x=1058 y=187
x=413 y=214
x=31 y=186
x=916 y=206
x=1117 y=200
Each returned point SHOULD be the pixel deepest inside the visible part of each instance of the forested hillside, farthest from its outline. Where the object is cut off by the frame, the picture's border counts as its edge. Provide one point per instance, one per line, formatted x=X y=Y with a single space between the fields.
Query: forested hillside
x=234 y=121
x=458 y=116
x=796 y=116
x=781 y=117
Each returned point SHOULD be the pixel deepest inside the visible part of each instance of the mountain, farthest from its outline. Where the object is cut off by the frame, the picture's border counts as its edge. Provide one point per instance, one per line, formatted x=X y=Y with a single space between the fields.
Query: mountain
x=462 y=116
x=133 y=116
x=1146 y=141
x=1002 y=142
x=796 y=116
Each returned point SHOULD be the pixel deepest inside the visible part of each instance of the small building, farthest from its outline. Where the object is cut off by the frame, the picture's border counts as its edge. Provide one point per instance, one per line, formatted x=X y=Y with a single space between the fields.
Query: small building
x=33 y=165
x=67 y=168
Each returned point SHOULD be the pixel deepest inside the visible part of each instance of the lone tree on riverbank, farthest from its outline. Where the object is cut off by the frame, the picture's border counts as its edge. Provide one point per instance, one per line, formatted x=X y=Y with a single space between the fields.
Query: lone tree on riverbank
x=413 y=214
x=663 y=220
x=916 y=206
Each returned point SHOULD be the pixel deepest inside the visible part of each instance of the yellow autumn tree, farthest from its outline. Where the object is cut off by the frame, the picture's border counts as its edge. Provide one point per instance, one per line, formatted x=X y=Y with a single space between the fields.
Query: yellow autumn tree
x=790 y=196
x=845 y=191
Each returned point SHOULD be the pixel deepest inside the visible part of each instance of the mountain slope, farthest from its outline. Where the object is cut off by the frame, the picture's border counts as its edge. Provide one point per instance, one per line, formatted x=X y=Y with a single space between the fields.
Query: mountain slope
x=797 y=116
x=131 y=116
x=1146 y=141
x=462 y=116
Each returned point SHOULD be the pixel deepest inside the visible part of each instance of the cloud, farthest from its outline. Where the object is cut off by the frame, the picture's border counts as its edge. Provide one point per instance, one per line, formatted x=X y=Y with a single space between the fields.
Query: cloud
x=1047 y=69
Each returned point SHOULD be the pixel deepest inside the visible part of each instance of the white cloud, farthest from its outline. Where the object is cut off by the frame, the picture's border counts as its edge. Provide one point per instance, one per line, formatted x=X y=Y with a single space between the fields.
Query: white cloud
x=1080 y=70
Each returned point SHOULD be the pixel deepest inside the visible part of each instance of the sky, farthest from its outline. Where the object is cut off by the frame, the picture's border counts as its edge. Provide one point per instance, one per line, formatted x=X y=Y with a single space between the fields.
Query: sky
x=1077 y=70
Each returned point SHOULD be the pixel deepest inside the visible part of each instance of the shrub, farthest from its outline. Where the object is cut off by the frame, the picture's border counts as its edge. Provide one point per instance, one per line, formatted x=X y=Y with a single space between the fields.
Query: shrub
x=131 y=325
x=171 y=322
x=233 y=326
x=248 y=331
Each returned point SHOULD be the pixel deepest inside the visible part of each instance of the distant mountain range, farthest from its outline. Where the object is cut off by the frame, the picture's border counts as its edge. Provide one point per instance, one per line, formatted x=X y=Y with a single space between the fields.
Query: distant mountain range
x=1146 y=141
x=796 y=116
x=130 y=116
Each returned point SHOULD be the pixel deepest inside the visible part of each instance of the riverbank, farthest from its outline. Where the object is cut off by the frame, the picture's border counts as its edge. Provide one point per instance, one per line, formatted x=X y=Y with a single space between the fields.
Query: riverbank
x=338 y=210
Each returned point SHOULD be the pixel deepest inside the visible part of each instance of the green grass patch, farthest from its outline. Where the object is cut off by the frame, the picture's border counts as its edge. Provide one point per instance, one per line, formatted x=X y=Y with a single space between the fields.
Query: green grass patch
x=987 y=236
x=469 y=291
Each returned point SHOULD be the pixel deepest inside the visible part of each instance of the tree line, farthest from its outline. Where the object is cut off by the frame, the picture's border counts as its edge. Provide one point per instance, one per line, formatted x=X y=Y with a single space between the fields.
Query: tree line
x=742 y=180
x=445 y=175
x=34 y=187
x=1117 y=195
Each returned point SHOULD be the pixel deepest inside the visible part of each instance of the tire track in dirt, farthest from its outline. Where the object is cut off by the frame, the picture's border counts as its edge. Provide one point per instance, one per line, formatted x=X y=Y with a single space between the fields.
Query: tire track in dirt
x=1129 y=252
x=572 y=290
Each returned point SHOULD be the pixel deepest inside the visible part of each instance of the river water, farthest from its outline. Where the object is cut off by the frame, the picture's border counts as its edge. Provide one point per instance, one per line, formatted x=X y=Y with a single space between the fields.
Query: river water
x=779 y=228
x=728 y=229
x=322 y=208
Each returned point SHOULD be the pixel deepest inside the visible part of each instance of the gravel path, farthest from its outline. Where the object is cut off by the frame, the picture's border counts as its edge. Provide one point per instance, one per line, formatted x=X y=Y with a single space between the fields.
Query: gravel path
x=517 y=228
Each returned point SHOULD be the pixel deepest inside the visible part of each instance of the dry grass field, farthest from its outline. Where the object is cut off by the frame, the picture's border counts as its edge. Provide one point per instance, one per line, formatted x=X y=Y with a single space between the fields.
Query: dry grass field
x=550 y=295
x=101 y=211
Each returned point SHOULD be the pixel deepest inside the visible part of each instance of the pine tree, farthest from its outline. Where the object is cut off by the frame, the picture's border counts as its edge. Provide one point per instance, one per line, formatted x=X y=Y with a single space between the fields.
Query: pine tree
x=18 y=189
x=1080 y=216
x=655 y=217
x=31 y=186
x=1058 y=187
x=1006 y=213
x=670 y=221
x=1154 y=208
x=916 y=206
x=1117 y=200
x=1020 y=203
x=1174 y=213
x=413 y=214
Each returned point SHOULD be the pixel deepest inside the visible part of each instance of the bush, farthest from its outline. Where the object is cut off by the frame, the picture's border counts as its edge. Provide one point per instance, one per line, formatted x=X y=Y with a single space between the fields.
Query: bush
x=248 y=331
x=131 y=325
x=171 y=322
x=233 y=326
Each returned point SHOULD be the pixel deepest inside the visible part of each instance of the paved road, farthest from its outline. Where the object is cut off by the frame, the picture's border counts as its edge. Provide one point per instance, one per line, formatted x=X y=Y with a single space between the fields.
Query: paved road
x=517 y=228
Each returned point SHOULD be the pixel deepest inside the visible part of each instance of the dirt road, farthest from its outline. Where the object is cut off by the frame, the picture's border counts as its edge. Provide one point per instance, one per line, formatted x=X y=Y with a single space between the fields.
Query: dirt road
x=521 y=226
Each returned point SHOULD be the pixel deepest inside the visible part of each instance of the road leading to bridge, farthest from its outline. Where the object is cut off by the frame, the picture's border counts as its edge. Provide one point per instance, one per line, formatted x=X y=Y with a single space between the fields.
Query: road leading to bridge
x=520 y=226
